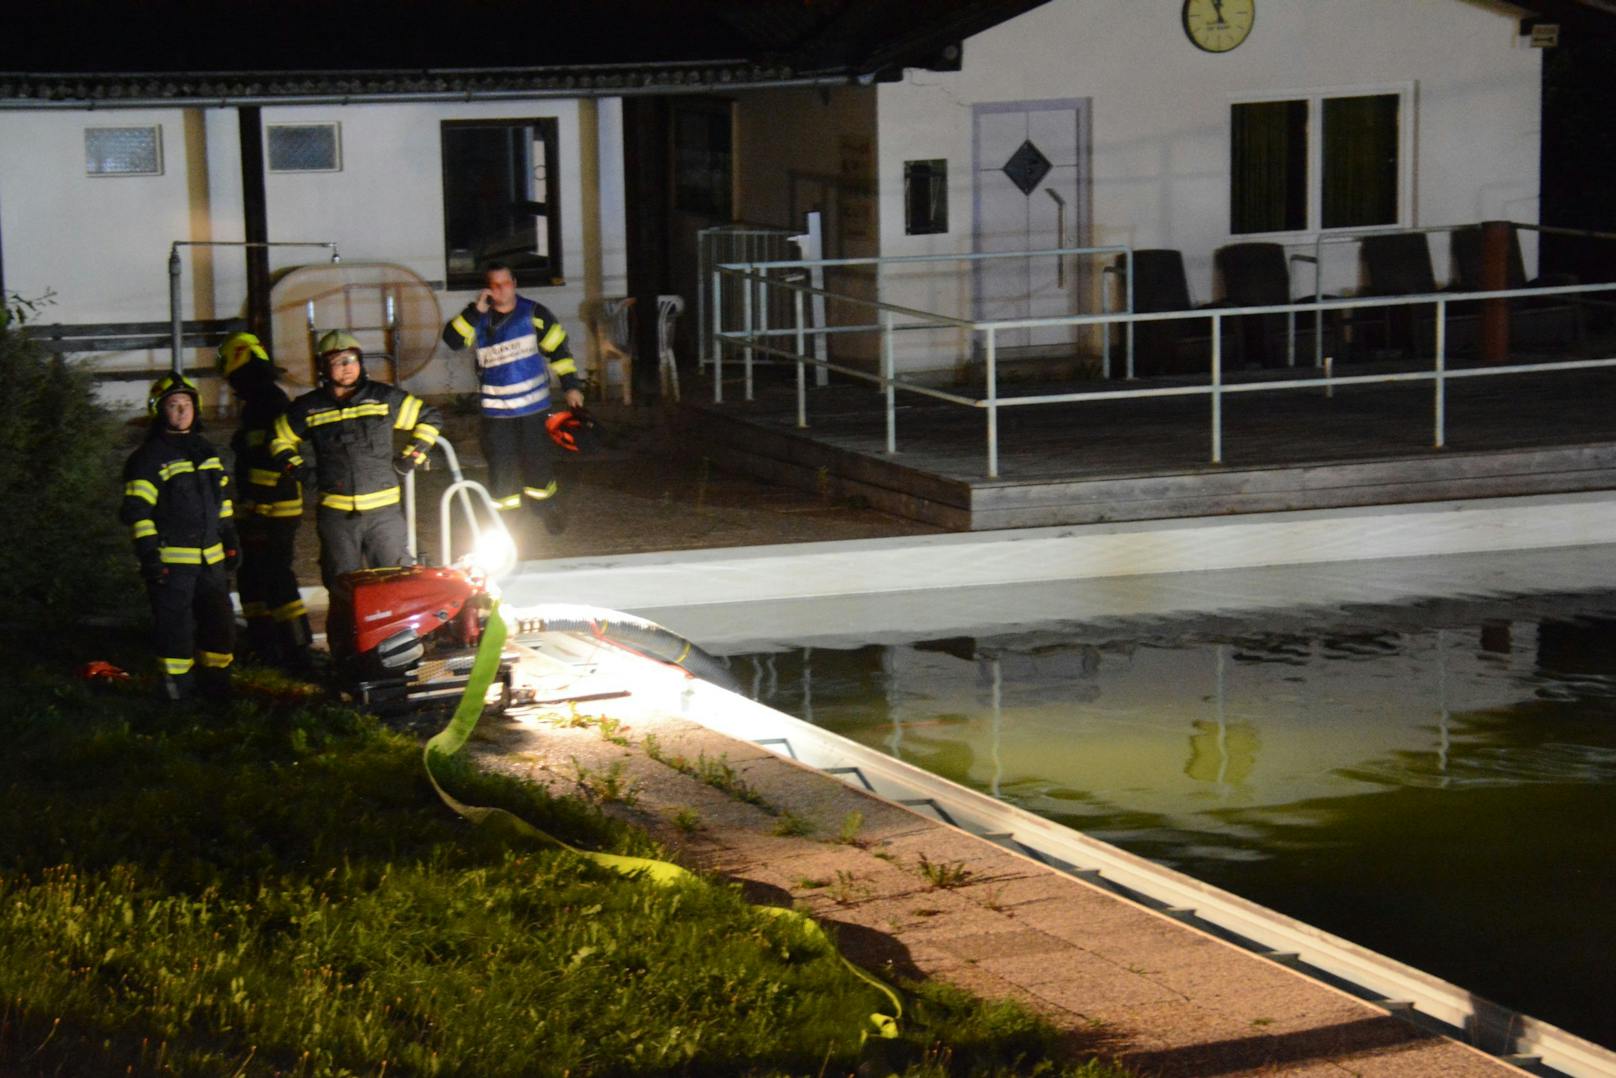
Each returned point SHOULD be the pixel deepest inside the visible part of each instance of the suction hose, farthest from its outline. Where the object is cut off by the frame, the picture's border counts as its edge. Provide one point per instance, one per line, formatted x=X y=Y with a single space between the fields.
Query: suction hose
x=637 y=634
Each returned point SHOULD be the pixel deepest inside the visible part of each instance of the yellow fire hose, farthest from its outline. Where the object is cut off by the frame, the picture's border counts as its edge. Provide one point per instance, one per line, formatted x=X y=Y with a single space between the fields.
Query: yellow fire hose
x=454 y=736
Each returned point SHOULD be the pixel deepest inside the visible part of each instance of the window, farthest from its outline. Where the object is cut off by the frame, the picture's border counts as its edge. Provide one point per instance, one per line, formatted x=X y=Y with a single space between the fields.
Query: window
x=702 y=159
x=304 y=148
x=123 y=151
x=501 y=200
x=1318 y=163
x=925 y=197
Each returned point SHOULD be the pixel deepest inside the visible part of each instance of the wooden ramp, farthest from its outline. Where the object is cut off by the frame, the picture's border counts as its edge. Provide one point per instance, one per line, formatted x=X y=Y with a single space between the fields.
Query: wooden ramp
x=1149 y=458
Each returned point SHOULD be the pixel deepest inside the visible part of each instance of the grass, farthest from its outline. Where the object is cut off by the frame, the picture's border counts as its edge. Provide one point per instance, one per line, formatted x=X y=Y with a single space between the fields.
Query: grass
x=271 y=887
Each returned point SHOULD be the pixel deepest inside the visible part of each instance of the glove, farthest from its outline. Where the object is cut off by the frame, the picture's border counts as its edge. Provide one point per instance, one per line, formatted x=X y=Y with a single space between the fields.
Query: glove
x=302 y=471
x=409 y=460
x=232 y=558
x=152 y=570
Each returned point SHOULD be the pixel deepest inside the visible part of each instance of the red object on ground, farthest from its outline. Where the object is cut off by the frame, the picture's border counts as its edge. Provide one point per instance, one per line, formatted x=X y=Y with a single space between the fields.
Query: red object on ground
x=101 y=670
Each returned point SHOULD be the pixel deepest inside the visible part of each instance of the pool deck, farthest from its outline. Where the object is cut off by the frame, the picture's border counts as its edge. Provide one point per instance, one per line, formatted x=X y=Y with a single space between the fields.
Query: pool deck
x=1150 y=458
x=1118 y=979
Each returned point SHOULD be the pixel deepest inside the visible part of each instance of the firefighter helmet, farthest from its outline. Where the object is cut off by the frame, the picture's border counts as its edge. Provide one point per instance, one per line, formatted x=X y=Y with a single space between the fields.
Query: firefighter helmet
x=238 y=350
x=573 y=429
x=168 y=385
x=334 y=343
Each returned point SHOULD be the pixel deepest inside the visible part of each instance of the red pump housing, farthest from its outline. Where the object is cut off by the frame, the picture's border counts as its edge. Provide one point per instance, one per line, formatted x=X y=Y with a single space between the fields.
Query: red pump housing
x=374 y=607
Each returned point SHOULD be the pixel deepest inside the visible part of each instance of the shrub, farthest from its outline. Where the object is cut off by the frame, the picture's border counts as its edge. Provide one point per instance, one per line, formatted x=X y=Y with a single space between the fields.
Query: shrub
x=63 y=555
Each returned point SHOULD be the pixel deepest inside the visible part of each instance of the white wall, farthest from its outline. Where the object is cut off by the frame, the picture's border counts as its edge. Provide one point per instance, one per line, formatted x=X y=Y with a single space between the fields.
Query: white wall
x=1160 y=124
x=102 y=243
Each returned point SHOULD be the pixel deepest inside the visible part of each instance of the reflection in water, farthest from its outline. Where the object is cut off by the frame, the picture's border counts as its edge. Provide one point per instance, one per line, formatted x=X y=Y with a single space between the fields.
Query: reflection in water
x=1434 y=783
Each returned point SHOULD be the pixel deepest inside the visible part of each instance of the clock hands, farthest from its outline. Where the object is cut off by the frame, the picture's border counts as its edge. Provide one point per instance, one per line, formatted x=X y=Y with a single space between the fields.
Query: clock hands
x=1217 y=8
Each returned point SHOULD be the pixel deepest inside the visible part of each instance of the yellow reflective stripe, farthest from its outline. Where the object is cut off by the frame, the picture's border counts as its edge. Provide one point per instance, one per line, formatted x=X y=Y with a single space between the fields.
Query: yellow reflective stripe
x=213 y=462
x=140 y=488
x=463 y=327
x=362 y=502
x=191 y=555
x=285 y=438
x=142 y=528
x=540 y=494
x=408 y=413
x=173 y=468
x=564 y=366
x=216 y=660
x=263 y=477
x=255 y=609
x=214 y=554
x=289 y=611
x=357 y=411
x=279 y=509
x=427 y=434
x=509 y=503
x=175 y=667
x=552 y=340
x=227 y=509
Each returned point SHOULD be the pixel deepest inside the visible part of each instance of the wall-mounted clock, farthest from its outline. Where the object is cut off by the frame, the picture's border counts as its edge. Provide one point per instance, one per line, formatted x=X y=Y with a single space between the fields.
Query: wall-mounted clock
x=1218 y=25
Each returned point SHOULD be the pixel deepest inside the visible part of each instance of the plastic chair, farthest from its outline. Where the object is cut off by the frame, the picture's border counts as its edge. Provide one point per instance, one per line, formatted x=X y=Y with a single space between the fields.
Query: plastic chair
x=1399 y=264
x=669 y=308
x=1180 y=346
x=1258 y=275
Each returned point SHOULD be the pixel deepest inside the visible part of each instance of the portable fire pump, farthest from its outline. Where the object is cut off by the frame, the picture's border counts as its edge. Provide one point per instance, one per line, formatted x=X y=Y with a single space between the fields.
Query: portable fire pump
x=404 y=639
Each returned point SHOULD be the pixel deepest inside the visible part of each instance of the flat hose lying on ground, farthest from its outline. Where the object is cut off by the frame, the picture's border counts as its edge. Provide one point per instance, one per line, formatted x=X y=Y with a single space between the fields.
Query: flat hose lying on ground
x=637 y=634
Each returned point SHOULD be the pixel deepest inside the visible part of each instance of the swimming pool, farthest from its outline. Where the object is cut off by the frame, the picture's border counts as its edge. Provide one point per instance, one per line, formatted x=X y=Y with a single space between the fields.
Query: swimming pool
x=1426 y=767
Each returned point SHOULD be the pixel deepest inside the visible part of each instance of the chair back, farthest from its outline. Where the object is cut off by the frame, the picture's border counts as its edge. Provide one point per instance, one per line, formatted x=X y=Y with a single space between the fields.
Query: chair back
x=1158 y=280
x=1254 y=274
x=1397 y=264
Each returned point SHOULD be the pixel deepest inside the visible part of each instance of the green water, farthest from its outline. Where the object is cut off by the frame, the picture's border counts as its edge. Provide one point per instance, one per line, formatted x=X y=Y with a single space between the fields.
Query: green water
x=1436 y=783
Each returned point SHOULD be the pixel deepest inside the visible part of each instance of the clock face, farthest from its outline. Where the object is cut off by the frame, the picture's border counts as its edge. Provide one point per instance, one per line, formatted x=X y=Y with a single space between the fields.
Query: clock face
x=1218 y=25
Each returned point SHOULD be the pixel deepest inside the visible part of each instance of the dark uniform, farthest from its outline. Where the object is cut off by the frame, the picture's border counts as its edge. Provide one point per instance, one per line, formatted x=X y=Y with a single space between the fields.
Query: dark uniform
x=516 y=354
x=176 y=503
x=359 y=518
x=269 y=507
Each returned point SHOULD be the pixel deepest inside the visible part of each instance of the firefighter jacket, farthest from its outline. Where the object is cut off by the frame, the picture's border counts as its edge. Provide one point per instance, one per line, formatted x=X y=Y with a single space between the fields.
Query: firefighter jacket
x=512 y=350
x=262 y=488
x=353 y=441
x=176 y=500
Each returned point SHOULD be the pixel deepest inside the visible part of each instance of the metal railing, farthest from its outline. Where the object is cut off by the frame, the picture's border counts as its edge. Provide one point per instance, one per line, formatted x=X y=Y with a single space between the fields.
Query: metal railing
x=752 y=340
x=177 y=334
x=723 y=244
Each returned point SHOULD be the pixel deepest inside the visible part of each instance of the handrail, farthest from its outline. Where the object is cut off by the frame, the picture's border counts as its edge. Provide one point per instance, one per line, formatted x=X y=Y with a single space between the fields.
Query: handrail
x=888 y=381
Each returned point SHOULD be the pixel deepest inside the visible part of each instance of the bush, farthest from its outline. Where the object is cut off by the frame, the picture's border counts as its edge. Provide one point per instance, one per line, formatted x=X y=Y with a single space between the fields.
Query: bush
x=63 y=554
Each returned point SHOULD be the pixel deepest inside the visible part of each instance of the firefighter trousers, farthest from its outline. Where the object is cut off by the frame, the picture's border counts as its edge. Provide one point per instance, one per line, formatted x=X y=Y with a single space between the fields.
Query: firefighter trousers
x=277 y=623
x=352 y=540
x=194 y=629
x=521 y=460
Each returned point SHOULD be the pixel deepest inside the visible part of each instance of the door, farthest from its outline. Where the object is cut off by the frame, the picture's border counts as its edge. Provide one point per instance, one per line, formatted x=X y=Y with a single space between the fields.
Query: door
x=1030 y=185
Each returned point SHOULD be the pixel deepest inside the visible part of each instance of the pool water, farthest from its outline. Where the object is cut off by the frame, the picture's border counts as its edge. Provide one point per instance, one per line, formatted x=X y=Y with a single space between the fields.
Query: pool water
x=1434 y=780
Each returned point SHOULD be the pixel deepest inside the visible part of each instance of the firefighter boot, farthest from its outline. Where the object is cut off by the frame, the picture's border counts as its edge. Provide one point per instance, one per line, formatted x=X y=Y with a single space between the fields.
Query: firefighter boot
x=263 y=641
x=293 y=644
x=176 y=687
x=214 y=682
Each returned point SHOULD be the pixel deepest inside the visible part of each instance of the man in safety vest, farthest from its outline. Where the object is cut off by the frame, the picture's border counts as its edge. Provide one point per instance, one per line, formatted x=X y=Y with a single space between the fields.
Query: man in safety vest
x=269 y=507
x=176 y=502
x=350 y=421
x=520 y=344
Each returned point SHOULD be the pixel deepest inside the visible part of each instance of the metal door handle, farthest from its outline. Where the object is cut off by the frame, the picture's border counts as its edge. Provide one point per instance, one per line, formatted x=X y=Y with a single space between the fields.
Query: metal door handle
x=1060 y=235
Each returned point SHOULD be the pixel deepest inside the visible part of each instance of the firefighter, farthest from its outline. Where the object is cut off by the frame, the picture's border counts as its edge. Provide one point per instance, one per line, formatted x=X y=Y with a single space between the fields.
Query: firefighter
x=350 y=421
x=519 y=345
x=269 y=507
x=176 y=502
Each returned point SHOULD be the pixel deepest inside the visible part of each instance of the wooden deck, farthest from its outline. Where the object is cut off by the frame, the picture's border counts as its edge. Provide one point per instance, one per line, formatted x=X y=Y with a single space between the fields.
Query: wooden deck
x=1150 y=458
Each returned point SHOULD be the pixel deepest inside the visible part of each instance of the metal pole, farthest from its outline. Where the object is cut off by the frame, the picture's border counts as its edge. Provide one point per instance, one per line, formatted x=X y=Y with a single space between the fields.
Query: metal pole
x=763 y=316
x=1441 y=370
x=886 y=382
x=703 y=346
x=802 y=376
x=748 y=285
x=1130 y=311
x=993 y=403
x=1217 y=389
x=175 y=329
x=1105 y=327
x=718 y=344
x=1290 y=338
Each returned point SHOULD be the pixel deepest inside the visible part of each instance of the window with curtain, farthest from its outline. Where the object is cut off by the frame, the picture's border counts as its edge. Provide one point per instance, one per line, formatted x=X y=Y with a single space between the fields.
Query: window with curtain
x=1352 y=142
x=501 y=202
